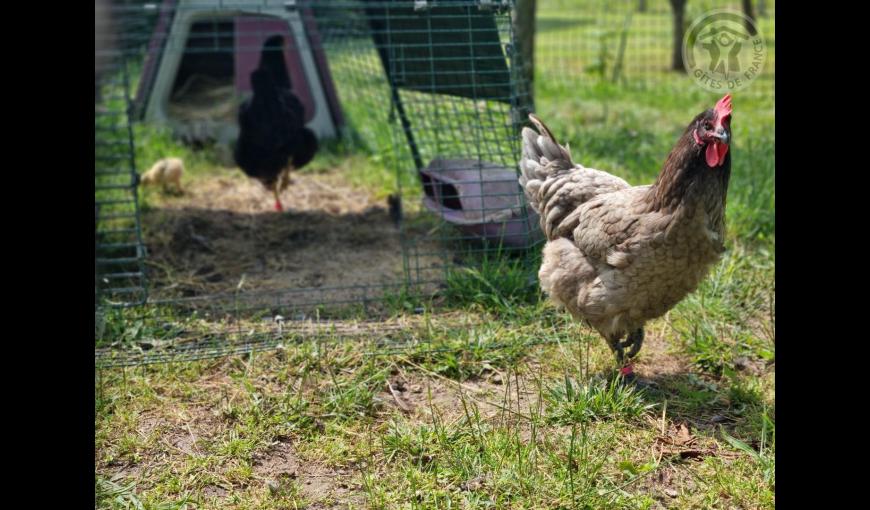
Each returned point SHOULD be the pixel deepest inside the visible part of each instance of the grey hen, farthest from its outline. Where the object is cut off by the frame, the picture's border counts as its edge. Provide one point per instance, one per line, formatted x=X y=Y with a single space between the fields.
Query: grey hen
x=618 y=256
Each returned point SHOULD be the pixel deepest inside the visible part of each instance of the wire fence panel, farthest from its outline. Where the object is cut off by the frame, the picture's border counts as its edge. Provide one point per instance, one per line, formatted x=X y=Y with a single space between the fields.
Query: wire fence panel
x=430 y=89
x=424 y=98
x=630 y=44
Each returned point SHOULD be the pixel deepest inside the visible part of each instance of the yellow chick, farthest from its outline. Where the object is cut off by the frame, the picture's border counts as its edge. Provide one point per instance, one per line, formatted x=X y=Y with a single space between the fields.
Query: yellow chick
x=165 y=172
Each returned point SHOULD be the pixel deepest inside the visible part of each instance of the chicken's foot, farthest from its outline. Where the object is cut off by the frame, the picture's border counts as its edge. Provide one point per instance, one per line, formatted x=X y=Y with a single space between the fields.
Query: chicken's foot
x=635 y=341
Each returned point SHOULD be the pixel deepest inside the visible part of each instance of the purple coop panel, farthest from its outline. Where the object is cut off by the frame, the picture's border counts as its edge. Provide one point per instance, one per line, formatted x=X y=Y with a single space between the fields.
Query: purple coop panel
x=251 y=33
x=482 y=199
x=310 y=80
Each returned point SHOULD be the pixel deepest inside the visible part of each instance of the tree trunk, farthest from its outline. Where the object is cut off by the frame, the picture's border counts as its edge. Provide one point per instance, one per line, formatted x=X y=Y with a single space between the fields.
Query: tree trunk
x=749 y=13
x=524 y=28
x=679 y=11
x=762 y=8
x=641 y=6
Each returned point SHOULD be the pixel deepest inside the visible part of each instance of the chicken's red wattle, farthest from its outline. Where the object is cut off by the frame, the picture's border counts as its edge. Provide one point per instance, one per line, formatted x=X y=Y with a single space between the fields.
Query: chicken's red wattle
x=715 y=154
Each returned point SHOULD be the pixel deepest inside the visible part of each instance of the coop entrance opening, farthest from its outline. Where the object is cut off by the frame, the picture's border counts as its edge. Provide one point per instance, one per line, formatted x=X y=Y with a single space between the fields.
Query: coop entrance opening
x=208 y=53
x=197 y=71
x=444 y=193
x=203 y=88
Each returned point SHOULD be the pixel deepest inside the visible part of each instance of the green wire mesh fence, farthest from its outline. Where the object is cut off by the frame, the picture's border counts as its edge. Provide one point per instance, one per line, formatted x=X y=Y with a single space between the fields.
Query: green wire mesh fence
x=433 y=94
x=633 y=45
x=432 y=89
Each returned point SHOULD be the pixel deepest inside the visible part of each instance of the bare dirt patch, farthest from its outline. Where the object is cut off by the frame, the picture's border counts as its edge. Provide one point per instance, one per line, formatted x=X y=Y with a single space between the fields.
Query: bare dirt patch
x=221 y=228
x=279 y=460
x=214 y=491
x=321 y=486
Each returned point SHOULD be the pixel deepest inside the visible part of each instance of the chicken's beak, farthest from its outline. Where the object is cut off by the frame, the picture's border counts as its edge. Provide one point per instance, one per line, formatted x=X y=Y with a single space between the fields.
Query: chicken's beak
x=721 y=135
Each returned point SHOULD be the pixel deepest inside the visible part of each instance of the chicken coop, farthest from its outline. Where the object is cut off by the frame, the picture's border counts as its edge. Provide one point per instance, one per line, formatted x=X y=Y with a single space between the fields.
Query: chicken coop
x=417 y=106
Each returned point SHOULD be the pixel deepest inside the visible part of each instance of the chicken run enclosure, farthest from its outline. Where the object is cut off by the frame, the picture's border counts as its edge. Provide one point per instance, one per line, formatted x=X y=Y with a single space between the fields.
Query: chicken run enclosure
x=435 y=91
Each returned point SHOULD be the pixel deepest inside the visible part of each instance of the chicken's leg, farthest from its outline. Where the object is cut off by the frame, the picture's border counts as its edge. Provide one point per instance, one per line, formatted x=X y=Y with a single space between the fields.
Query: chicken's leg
x=634 y=341
x=278 y=206
x=280 y=185
x=619 y=350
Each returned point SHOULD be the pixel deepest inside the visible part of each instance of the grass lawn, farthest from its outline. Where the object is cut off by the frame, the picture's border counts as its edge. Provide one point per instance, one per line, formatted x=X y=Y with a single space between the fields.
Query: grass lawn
x=501 y=400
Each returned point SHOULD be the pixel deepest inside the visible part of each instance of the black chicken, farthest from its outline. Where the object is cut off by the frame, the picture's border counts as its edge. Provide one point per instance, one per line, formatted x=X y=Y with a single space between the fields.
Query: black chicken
x=273 y=139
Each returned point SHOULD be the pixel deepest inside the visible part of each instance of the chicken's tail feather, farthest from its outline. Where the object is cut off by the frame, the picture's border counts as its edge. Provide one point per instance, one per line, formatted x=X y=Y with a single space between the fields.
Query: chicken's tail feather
x=554 y=185
x=307 y=148
x=542 y=159
x=551 y=147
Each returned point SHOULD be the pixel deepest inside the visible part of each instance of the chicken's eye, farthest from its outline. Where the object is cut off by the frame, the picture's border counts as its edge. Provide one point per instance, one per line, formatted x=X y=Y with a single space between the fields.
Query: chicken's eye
x=708 y=126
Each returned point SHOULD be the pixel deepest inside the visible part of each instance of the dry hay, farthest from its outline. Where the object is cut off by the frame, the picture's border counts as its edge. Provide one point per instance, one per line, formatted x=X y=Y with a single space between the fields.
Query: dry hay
x=223 y=228
x=205 y=98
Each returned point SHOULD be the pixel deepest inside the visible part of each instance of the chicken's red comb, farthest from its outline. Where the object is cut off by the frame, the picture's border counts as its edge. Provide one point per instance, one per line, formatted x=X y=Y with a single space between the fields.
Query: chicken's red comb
x=723 y=107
